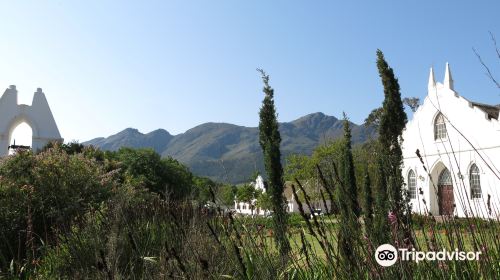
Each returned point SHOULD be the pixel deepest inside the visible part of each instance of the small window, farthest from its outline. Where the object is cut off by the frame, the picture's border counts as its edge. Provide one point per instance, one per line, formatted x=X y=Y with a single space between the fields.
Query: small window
x=412 y=185
x=439 y=127
x=475 y=182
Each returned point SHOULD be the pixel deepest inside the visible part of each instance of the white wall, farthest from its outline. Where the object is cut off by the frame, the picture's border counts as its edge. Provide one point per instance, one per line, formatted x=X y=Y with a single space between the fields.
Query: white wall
x=465 y=124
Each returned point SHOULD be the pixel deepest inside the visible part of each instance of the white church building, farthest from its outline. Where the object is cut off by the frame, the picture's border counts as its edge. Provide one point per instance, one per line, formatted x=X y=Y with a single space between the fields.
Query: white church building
x=292 y=206
x=245 y=208
x=458 y=140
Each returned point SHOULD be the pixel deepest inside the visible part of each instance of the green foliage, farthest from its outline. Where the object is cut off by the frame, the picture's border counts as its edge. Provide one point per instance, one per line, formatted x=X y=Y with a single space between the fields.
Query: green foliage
x=264 y=201
x=270 y=140
x=45 y=193
x=347 y=173
x=412 y=102
x=203 y=188
x=392 y=123
x=248 y=194
x=368 y=204
x=144 y=167
x=226 y=194
x=349 y=232
x=71 y=216
x=373 y=118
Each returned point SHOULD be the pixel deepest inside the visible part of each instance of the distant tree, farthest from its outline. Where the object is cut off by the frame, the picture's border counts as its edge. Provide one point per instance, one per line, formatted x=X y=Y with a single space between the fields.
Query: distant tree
x=392 y=123
x=270 y=140
x=203 y=188
x=373 y=118
x=324 y=156
x=248 y=194
x=227 y=194
x=412 y=102
x=299 y=167
x=177 y=179
x=145 y=167
x=264 y=201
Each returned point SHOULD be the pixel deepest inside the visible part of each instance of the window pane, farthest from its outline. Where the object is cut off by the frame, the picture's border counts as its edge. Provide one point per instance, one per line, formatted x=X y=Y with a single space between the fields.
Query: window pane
x=475 y=182
x=444 y=178
x=439 y=128
x=412 y=185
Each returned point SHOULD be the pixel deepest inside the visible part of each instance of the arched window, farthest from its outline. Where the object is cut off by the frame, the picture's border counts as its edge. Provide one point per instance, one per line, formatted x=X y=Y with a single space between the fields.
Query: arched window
x=475 y=182
x=412 y=184
x=444 y=178
x=439 y=127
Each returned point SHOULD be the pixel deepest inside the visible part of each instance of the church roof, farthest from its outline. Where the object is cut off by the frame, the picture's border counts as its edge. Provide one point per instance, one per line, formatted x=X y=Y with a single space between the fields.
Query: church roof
x=491 y=110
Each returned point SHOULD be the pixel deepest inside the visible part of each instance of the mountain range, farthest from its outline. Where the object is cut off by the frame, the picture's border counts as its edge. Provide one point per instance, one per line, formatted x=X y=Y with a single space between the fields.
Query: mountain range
x=231 y=153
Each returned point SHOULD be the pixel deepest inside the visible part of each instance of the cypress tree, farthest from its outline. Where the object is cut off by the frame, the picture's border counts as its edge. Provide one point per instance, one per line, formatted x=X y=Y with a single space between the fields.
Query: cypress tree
x=392 y=123
x=269 y=140
x=368 y=204
x=349 y=231
x=349 y=178
x=381 y=208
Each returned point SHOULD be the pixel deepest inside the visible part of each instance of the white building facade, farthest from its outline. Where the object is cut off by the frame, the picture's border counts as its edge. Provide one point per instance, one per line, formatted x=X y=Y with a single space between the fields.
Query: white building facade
x=451 y=151
x=292 y=206
x=245 y=208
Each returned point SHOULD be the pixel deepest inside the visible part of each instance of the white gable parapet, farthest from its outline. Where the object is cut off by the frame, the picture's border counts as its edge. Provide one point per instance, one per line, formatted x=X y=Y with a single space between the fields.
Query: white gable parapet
x=38 y=116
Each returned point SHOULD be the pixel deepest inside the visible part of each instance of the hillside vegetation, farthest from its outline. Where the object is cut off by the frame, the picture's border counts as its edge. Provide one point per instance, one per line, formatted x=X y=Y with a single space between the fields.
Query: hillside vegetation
x=231 y=153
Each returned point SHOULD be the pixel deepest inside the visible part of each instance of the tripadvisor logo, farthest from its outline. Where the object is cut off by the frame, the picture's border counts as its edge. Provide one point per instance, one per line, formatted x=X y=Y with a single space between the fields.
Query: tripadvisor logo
x=387 y=255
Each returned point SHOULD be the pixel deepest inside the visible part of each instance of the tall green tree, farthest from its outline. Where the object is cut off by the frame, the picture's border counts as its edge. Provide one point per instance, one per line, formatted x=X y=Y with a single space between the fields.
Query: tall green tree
x=380 y=233
x=368 y=204
x=270 y=140
x=348 y=170
x=349 y=231
x=392 y=122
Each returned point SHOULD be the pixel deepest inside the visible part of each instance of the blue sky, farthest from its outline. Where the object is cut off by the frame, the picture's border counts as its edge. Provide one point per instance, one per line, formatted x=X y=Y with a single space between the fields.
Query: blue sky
x=109 y=65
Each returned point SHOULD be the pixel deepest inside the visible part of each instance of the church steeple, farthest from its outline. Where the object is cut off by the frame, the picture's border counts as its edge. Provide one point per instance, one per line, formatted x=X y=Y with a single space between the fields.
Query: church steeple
x=432 y=81
x=448 y=80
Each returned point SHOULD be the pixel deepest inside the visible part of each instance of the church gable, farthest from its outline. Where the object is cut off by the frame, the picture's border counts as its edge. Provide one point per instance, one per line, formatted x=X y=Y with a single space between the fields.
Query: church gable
x=450 y=148
x=462 y=118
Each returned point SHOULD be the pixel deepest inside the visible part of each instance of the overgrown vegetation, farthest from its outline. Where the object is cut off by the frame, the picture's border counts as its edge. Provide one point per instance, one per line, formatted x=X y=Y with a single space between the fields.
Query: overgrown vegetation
x=74 y=212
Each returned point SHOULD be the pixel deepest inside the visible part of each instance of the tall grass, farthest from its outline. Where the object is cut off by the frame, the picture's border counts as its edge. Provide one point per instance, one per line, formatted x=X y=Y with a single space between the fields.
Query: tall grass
x=155 y=239
x=136 y=234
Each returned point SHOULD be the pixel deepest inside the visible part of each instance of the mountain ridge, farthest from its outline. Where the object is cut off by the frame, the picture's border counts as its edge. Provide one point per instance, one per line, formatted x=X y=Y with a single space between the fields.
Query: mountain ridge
x=229 y=152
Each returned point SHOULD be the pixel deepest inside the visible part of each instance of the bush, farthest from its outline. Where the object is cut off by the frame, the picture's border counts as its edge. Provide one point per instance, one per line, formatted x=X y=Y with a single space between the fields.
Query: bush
x=44 y=194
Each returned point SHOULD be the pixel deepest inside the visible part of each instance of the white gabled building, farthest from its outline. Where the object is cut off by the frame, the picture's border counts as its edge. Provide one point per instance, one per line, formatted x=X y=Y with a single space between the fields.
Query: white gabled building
x=250 y=208
x=292 y=206
x=459 y=145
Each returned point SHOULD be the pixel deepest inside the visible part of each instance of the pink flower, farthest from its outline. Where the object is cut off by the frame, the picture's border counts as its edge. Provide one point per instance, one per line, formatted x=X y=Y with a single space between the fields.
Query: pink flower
x=392 y=218
x=484 y=248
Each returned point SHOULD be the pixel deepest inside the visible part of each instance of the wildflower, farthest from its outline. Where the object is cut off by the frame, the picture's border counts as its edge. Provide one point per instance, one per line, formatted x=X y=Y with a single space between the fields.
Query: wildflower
x=393 y=219
x=484 y=248
x=443 y=265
